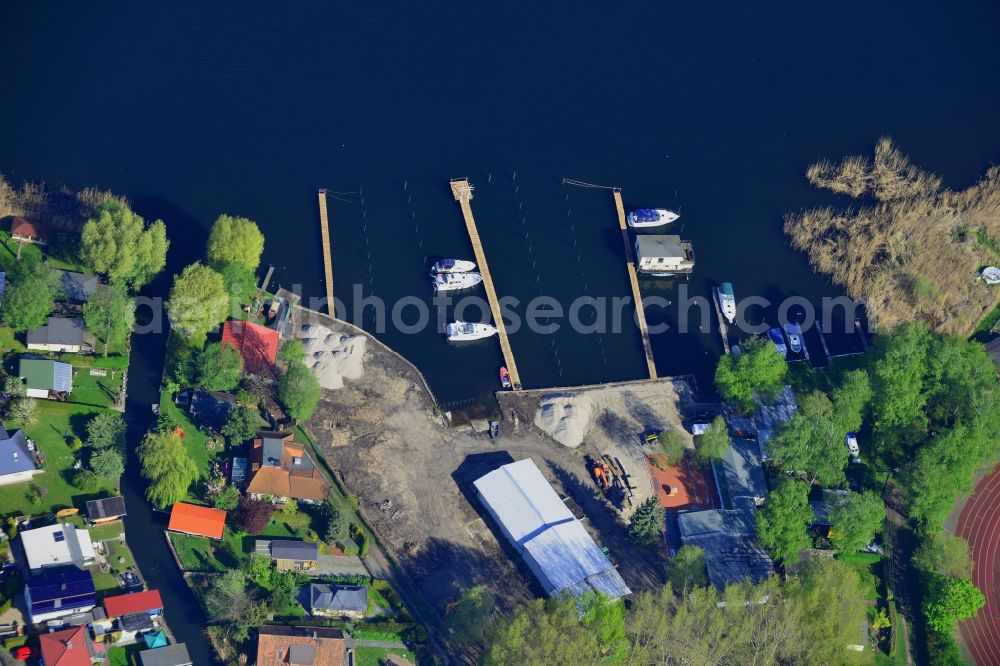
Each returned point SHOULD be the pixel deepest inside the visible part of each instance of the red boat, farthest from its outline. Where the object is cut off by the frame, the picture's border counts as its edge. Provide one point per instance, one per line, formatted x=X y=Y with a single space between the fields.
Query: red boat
x=504 y=378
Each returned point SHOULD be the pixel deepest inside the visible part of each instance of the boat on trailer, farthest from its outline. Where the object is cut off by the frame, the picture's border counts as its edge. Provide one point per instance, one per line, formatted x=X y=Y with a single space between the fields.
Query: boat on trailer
x=455 y=281
x=452 y=266
x=460 y=331
x=647 y=218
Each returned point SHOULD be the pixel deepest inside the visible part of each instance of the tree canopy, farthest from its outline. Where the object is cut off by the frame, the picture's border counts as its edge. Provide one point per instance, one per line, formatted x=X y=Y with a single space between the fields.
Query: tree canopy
x=714 y=442
x=117 y=242
x=687 y=569
x=856 y=520
x=469 y=620
x=198 y=301
x=945 y=555
x=811 y=443
x=299 y=391
x=240 y=281
x=107 y=463
x=106 y=430
x=235 y=240
x=167 y=466
x=950 y=600
x=783 y=521
x=645 y=526
x=757 y=372
x=110 y=315
x=672 y=445
x=30 y=297
x=241 y=424
x=220 y=368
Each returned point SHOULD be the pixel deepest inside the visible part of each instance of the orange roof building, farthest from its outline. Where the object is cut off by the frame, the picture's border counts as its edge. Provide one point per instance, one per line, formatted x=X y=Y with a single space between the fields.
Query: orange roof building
x=68 y=647
x=23 y=229
x=140 y=602
x=281 y=467
x=258 y=345
x=197 y=520
x=285 y=646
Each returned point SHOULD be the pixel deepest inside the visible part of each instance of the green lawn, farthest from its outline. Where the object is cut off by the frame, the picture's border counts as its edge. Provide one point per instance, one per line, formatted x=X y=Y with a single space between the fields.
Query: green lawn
x=54 y=420
x=127 y=655
x=8 y=342
x=91 y=389
x=194 y=439
x=201 y=554
x=370 y=656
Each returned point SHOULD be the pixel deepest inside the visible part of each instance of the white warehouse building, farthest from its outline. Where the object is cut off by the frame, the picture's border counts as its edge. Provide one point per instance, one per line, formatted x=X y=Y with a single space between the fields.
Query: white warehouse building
x=553 y=543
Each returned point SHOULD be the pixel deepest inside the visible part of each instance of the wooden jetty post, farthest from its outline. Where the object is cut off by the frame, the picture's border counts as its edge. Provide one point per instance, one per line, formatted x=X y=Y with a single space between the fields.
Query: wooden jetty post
x=462 y=191
x=267 y=279
x=640 y=314
x=324 y=230
x=723 y=329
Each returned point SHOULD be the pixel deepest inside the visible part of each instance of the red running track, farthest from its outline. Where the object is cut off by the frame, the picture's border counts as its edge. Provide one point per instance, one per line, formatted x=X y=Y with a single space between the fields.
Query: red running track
x=979 y=524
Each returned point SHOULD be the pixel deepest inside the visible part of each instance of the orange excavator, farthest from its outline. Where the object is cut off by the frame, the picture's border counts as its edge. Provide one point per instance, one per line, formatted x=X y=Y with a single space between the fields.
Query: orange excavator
x=601 y=471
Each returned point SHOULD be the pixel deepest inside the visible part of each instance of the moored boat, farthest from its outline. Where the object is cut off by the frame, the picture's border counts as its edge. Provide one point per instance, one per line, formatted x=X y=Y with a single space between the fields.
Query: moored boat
x=778 y=340
x=454 y=281
x=727 y=301
x=794 y=333
x=505 y=377
x=463 y=330
x=452 y=266
x=647 y=218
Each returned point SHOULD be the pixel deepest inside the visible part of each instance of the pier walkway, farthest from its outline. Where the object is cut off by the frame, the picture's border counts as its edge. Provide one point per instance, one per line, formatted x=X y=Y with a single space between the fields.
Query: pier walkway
x=640 y=314
x=324 y=230
x=723 y=329
x=462 y=191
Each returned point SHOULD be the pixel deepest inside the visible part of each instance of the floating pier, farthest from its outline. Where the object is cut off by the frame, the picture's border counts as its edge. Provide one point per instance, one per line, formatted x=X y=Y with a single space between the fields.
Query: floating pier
x=324 y=230
x=723 y=329
x=462 y=191
x=267 y=279
x=636 y=296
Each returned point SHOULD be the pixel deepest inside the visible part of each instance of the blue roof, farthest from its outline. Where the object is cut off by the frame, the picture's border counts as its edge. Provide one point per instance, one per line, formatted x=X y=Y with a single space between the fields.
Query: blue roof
x=71 y=587
x=14 y=454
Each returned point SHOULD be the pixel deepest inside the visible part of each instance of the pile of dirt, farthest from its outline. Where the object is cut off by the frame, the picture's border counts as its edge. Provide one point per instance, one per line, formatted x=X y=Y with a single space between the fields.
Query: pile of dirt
x=333 y=356
x=565 y=417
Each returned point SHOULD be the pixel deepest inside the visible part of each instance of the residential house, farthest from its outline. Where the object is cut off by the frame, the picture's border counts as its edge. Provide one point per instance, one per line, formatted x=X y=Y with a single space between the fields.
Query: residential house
x=76 y=287
x=69 y=647
x=148 y=602
x=299 y=646
x=663 y=254
x=171 y=655
x=59 y=334
x=823 y=508
x=338 y=600
x=258 y=345
x=290 y=555
x=770 y=414
x=46 y=379
x=197 y=520
x=59 y=593
x=17 y=460
x=29 y=232
x=57 y=545
x=280 y=467
x=743 y=472
x=729 y=539
x=208 y=409
x=105 y=510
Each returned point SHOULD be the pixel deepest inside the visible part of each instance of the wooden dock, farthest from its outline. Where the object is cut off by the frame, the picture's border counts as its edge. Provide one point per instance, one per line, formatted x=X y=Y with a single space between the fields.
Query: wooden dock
x=324 y=230
x=267 y=279
x=640 y=314
x=462 y=191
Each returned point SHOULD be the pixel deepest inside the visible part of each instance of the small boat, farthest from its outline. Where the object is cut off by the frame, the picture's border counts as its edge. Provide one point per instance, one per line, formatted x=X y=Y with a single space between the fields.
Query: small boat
x=775 y=336
x=463 y=330
x=851 y=442
x=454 y=281
x=794 y=333
x=645 y=218
x=504 y=377
x=494 y=429
x=727 y=301
x=452 y=266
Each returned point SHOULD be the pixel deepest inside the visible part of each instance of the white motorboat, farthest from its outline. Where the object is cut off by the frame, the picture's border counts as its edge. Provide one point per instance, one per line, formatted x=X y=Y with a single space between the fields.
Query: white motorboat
x=452 y=266
x=463 y=330
x=727 y=301
x=454 y=281
x=794 y=334
x=645 y=218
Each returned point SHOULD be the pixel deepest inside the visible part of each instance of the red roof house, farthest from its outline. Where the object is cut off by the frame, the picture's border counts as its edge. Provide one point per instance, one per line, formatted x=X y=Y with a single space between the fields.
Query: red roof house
x=258 y=345
x=34 y=232
x=140 y=602
x=68 y=647
x=197 y=520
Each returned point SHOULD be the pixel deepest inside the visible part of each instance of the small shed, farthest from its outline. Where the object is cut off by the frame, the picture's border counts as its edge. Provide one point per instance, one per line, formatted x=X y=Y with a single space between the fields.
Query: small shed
x=663 y=254
x=106 y=509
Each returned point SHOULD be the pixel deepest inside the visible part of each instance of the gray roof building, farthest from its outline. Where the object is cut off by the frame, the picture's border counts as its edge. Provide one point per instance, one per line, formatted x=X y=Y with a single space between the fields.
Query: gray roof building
x=304 y=551
x=743 y=471
x=210 y=408
x=338 y=598
x=729 y=539
x=75 y=286
x=106 y=508
x=15 y=456
x=770 y=414
x=57 y=331
x=171 y=655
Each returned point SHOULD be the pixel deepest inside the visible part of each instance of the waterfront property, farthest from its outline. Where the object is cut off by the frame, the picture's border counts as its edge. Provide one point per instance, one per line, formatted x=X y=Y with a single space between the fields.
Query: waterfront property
x=743 y=472
x=169 y=655
x=663 y=254
x=729 y=540
x=208 y=409
x=69 y=647
x=282 y=646
x=148 y=602
x=333 y=600
x=258 y=345
x=197 y=520
x=290 y=555
x=281 y=467
x=57 y=545
x=46 y=379
x=17 y=460
x=76 y=287
x=640 y=313
x=29 y=232
x=58 y=594
x=59 y=334
x=105 y=510
x=553 y=543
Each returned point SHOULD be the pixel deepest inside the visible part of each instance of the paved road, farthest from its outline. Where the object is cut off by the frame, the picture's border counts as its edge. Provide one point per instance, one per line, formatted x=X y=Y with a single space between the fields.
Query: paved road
x=979 y=524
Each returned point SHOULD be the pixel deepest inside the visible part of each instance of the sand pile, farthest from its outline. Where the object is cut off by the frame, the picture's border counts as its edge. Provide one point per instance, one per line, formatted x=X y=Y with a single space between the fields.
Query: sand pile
x=566 y=417
x=332 y=356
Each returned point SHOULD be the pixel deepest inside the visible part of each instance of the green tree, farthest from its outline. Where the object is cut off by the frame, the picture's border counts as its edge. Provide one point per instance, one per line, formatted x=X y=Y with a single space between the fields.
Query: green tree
x=899 y=396
x=758 y=372
x=182 y=360
x=686 y=569
x=240 y=281
x=167 y=466
x=227 y=498
x=13 y=387
x=241 y=424
x=950 y=600
x=110 y=315
x=106 y=430
x=604 y=617
x=944 y=555
x=338 y=524
x=220 y=368
x=856 y=520
x=292 y=352
x=85 y=480
x=116 y=242
x=783 y=520
x=811 y=443
x=107 y=463
x=284 y=585
x=235 y=240
x=198 y=301
x=542 y=632
x=259 y=570
x=646 y=524
x=469 y=620
x=227 y=599
x=30 y=297
x=672 y=445
x=714 y=442
x=299 y=391
x=22 y=410
x=850 y=398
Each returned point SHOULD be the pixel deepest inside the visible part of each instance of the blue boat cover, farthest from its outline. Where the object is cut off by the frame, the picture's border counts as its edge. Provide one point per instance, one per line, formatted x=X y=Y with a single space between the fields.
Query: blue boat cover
x=645 y=215
x=447 y=263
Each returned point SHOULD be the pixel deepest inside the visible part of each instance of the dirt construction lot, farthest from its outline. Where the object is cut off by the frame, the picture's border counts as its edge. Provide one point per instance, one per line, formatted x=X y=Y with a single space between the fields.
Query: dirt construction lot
x=412 y=470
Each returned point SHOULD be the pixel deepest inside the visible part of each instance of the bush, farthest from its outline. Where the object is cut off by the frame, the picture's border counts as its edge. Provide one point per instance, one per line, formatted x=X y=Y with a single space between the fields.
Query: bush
x=107 y=463
x=253 y=515
x=85 y=480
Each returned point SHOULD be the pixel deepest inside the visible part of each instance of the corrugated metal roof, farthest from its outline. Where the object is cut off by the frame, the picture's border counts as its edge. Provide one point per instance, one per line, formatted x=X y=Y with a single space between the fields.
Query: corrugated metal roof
x=522 y=499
